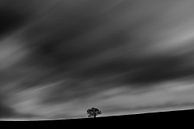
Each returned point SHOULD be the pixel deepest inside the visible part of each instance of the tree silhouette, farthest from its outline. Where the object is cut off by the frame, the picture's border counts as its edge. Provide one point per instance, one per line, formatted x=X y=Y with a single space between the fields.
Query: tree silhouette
x=93 y=112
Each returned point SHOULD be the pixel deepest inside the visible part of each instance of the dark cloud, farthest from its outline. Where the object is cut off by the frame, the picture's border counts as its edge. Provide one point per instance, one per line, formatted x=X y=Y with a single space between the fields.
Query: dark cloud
x=10 y=20
x=57 y=44
x=15 y=14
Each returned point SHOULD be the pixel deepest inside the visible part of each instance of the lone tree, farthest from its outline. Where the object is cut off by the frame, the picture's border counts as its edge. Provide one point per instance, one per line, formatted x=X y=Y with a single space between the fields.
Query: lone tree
x=93 y=112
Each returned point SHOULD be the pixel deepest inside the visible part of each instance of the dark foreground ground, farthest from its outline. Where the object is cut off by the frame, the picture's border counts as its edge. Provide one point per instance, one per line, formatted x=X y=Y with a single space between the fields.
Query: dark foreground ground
x=156 y=120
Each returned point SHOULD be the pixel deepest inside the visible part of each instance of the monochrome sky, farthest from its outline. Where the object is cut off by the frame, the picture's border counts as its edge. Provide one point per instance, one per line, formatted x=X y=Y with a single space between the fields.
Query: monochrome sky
x=60 y=57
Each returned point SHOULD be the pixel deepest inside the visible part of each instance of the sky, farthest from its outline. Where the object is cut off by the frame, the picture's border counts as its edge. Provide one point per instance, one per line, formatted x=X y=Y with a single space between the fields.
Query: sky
x=59 y=58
